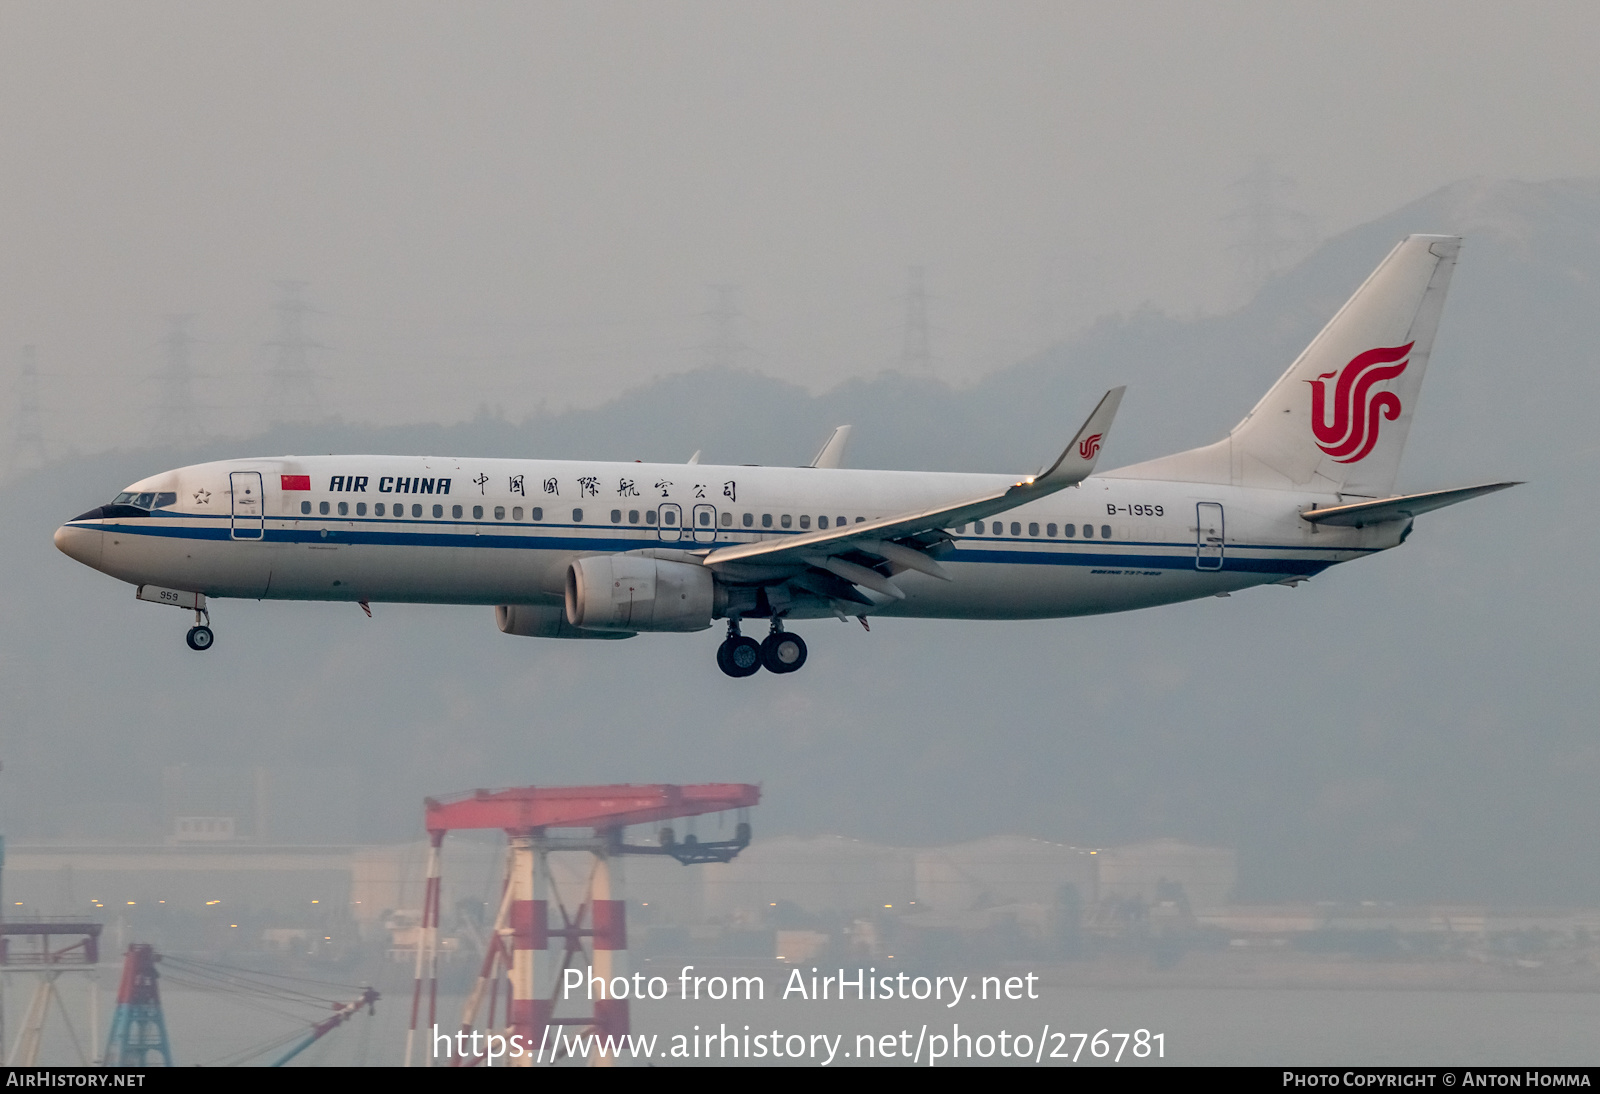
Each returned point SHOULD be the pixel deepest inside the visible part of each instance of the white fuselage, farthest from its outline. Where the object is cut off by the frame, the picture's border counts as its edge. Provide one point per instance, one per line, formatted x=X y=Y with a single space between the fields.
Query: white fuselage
x=498 y=531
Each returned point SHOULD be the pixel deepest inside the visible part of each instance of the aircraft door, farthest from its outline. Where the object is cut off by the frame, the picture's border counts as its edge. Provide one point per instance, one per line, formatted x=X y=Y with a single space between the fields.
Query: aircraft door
x=669 y=521
x=248 y=508
x=705 y=523
x=1208 y=538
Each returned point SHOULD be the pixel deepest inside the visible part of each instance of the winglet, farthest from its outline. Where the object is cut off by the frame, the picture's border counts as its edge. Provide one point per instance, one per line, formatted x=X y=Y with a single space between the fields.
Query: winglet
x=1077 y=462
x=831 y=454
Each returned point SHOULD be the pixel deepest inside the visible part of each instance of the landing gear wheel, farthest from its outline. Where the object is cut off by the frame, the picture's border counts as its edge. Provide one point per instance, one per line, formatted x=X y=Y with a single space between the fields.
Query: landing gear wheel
x=739 y=656
x=200 y=638
x=783 y=652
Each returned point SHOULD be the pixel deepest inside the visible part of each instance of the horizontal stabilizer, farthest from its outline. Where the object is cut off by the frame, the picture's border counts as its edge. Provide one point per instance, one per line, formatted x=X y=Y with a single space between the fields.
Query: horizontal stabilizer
x=1363 y=513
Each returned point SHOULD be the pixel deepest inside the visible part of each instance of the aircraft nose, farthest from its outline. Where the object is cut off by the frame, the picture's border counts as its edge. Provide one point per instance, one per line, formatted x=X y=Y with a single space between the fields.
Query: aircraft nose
x=80 y=543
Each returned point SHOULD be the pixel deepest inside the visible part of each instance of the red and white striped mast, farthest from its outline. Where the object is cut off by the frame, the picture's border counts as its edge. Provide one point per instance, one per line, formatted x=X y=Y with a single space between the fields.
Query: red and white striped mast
x=539 y=821
x=427 y=952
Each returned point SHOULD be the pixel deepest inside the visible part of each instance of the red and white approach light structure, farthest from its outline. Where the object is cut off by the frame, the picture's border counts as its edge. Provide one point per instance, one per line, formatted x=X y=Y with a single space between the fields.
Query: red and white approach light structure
x=520 y=979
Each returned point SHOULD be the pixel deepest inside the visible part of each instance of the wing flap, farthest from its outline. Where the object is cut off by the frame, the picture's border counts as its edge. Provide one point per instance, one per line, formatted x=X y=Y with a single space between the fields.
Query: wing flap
x=857 y=575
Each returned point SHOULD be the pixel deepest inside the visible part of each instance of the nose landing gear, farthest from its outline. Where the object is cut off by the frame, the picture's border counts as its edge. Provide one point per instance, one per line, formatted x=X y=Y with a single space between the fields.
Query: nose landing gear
x=200 y=637
x=740 y=655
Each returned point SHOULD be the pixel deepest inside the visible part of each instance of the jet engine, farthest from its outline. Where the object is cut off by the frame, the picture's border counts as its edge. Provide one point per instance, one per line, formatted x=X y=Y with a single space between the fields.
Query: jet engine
x=634 y=593
x=541 y=621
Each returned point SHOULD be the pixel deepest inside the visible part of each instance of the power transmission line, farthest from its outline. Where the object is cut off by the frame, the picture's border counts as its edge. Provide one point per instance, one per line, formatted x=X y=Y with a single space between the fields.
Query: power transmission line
x=1269 y=230
x=291 y=395
x=27 y=437
x=176 y=419
x=916 y=350
x=724 y=349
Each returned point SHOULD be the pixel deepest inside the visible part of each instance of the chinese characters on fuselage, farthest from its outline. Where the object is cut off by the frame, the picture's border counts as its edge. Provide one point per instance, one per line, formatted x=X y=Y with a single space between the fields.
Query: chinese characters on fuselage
x=587 y=486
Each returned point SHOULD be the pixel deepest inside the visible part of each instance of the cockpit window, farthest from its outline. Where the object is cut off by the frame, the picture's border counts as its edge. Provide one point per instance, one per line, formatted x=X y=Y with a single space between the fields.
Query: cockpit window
x=148 y=499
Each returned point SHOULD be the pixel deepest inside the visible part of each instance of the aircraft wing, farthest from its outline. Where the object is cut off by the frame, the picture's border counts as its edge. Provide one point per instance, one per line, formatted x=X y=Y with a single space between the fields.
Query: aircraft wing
x=1361 y=513
x=822 y=549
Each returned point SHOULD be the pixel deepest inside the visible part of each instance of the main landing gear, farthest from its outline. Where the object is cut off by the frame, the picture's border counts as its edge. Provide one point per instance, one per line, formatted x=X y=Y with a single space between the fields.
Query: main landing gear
x=200 y=637
x=740 y=655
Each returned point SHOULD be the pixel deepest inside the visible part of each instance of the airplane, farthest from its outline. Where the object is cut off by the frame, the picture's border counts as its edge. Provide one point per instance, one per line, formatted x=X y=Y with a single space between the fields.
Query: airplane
x=574 y=549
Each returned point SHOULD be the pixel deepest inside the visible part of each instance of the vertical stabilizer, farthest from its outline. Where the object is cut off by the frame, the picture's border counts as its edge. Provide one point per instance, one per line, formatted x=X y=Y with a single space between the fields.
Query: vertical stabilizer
x=1336 y=422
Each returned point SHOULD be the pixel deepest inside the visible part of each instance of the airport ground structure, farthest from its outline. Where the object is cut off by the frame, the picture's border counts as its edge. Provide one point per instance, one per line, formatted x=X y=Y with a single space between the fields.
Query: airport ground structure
x=1160 y=908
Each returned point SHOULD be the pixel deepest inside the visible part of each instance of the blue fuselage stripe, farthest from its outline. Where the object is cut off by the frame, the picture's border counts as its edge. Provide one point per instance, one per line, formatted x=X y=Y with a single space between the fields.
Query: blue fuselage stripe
x=572 y=537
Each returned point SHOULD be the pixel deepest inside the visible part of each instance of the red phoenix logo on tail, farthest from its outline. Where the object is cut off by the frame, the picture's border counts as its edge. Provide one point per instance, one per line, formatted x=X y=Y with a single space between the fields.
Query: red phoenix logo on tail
x=1354 y=429
x=1089 y=446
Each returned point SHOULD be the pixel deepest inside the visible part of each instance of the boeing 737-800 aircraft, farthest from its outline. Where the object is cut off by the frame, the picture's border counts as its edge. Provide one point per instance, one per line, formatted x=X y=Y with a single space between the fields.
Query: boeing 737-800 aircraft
x=581 y=549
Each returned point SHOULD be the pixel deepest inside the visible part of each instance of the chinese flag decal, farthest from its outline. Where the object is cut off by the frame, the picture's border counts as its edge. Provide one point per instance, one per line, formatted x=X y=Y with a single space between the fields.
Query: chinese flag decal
x=296 y=482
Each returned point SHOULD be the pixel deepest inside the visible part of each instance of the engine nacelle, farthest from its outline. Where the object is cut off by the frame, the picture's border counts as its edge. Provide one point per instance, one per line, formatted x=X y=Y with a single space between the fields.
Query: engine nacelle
x=541 y=621
x=633 y=593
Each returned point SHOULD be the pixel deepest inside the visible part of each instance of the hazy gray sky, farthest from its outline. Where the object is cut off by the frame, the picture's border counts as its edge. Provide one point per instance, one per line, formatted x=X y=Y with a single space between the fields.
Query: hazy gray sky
x=518 y=203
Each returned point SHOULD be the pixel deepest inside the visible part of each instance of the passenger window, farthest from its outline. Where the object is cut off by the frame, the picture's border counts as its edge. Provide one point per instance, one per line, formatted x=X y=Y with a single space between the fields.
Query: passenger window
x=805 y=521
x=749 y=519
x=840 y=522
x=416 y=510
x=455 y=511
x=438 y=511
x=378 y=509
x=1050 y=530
x=1016 y=528
x=649 y=516
x=786 y=520
x=538 y=513
x=858 y=520
x=616 y=516
x=322 y=508
x=361 y=508
x=1069 y=530
x=822 y=522
x=705 y=518
x=633 y=516
x=1033 y=529
x=516 y=513
x=670 y=517
x=577 y=516
x=727 y=519
x=305 y=507
x=766 y=520
x=477 y=512
x=344 y=509
x=499 y=512
x=1105 y=531
x=977 y=527
x=1088 y=531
